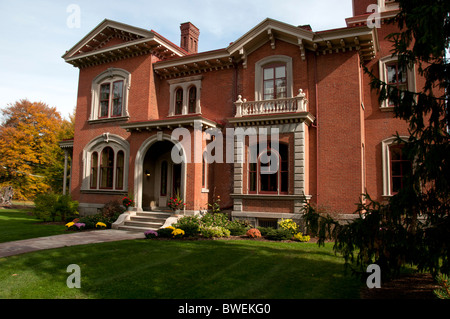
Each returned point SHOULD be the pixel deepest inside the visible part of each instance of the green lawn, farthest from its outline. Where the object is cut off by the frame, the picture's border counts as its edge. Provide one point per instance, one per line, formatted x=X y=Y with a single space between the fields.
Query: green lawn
x=178 y=269
x=17 y=224
x=170 y=269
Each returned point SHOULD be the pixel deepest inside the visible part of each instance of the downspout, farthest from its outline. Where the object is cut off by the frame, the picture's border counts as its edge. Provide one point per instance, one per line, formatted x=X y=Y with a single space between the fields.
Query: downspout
x=316 y=126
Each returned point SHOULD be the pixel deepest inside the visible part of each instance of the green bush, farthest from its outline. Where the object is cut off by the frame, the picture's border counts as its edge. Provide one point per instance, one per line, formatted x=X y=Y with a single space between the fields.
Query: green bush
x=190 y=225
x=279 y=234
x=214 y=231
x=217 y=219
x=264 y=230
x=165 y=232
x=54 y=206
x=237 y=228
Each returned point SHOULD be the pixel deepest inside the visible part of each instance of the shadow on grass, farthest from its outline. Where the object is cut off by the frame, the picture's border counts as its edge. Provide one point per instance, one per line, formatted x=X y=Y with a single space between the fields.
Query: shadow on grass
x=215 y=269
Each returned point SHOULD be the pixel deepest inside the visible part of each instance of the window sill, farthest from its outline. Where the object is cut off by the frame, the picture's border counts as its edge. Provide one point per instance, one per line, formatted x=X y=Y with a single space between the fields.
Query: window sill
x=387 y=109
x=109 y=119
x=103 y=191
x=271 y=196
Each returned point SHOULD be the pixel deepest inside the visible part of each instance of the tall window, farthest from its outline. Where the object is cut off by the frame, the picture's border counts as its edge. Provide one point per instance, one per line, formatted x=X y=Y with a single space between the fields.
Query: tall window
x=94 y=170
x=107 y=168
x=396 y=77
x=179 y=101
x=275 y=82
x=400 y=167
x=120 y=169
x=265 y=177
x=111 y=95
x=192 y=99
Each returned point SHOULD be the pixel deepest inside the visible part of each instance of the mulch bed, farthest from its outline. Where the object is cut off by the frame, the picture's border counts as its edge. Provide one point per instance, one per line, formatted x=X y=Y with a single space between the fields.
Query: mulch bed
x=411 y=286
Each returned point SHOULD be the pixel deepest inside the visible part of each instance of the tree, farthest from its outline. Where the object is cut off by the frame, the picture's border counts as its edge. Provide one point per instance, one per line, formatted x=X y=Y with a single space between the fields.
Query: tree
x=29 y=150
x=414 y=226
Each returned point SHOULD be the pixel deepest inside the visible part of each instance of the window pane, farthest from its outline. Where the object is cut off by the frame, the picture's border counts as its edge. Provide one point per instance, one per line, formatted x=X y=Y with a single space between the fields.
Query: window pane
x=94 y=170
x=391 y=73
x=107 y=168
x=164 y=168
x=192 y=99
x=179 y=101
x=284 y=182
x=117 y=98
x=280 y=72
x=281 y=88
x=120 y=169
x=268 y=74
x=104 y=99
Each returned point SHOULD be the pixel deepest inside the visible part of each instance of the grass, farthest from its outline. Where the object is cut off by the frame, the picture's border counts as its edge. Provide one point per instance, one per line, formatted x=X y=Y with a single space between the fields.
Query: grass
x=18 y=224
x=178 y=269
x=170 y=269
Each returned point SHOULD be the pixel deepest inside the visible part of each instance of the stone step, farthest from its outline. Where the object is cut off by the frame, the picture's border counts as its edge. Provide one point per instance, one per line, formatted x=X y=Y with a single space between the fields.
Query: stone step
x=137 y=229
x=146 y=220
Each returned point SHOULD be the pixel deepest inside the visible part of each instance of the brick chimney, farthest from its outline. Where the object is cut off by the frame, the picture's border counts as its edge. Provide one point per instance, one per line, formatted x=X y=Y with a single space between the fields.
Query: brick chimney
x=189 y=37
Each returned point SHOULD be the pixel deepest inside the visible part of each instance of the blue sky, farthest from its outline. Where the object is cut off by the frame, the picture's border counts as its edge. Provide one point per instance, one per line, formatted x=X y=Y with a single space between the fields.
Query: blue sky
x=35 y=34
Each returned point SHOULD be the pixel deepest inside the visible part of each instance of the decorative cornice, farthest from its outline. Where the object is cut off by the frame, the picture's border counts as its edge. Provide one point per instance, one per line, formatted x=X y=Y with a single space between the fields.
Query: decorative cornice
x=172 y=123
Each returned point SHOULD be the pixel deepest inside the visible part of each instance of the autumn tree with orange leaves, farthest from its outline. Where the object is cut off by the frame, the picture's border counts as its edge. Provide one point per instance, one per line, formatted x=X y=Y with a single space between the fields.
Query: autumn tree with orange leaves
x=31 y=160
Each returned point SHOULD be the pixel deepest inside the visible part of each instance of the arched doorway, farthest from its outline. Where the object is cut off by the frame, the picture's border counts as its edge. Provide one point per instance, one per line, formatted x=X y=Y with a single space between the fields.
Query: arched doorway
x=157 y=177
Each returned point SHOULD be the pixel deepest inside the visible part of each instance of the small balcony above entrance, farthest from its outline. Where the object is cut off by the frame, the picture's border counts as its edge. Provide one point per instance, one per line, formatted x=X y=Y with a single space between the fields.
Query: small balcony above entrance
x=296 y=104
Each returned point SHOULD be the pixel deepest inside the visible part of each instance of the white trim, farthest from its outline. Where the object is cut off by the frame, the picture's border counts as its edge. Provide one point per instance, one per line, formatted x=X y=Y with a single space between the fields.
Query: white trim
x=410 y=73
x=117 y=143
x=109 y=76
x=259 y=74
x=386 y=163
x=139 y=167
x=185 y=84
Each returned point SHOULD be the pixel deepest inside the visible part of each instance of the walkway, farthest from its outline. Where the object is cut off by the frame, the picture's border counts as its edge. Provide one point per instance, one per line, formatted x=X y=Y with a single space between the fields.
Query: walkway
x=58 y=241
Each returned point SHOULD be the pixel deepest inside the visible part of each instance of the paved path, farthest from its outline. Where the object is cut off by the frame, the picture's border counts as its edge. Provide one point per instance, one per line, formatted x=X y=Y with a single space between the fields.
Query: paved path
x=79 y=238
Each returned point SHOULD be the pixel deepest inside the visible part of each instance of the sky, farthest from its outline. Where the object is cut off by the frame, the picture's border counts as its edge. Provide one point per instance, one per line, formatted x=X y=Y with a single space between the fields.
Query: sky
x=34 y=34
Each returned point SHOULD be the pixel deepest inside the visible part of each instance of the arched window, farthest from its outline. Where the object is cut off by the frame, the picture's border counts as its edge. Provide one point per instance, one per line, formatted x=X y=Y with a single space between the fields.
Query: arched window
x=107 y=168
x=94 y=170
x=120 y=169
x=269 y=174
x=400 y=167
x=192 y=99
x=110 y=95
x=179 y=101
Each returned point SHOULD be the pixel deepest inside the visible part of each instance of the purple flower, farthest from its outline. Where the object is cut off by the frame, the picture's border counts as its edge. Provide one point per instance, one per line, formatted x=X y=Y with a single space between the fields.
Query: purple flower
x=79 y=225
x=150 y=234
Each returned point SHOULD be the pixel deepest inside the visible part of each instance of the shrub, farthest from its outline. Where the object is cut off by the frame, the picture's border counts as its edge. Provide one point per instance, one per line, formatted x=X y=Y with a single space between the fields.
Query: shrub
x=253 y=233
x=237 y=228
x=53 y=206
x=443 y=292
x=279 y=234
x=177 y=233
x=299 y=237
x=165 y=232
x=290 y=225
x=149 y=234
x=190 y=225
x=217 y=219
x=112 y=210
x=264 y=230
x=214 y=231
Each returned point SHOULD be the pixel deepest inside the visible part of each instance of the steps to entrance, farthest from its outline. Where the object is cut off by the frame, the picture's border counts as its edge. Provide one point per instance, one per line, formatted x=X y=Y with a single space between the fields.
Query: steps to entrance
x=143 y=221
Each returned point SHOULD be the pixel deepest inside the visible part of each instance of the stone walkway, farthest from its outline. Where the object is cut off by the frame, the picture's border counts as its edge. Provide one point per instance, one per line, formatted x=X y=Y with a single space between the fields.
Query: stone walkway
x=58 y=241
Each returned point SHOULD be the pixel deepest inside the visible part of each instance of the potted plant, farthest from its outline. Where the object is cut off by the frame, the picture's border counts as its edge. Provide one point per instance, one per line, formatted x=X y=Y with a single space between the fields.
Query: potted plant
x=128 y=202
x=176 y=204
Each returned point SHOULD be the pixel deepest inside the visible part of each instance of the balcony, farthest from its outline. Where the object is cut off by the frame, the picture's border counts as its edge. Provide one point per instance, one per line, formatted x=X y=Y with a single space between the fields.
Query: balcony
x=296 y=104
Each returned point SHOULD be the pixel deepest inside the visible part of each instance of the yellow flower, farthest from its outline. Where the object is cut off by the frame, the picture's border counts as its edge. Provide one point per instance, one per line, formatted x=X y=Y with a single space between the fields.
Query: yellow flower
x=68 y=225
x=170 y=227
x=178 y=232
x=100 y=224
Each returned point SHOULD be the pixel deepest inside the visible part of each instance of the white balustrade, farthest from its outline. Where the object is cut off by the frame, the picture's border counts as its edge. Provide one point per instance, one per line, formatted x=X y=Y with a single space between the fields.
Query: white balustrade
x=284 y=105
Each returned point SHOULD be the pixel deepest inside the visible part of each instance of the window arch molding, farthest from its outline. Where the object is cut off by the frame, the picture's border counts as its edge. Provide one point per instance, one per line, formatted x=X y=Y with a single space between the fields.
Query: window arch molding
x=119 y=170
x=259 y=74
x=111 y=75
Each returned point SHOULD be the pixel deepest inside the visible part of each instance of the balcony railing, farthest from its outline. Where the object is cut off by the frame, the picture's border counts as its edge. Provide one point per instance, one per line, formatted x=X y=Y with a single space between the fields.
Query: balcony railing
x=296 y=104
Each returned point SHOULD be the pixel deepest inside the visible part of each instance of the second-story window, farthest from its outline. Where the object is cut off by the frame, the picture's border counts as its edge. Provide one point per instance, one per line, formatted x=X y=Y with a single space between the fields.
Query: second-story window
x=274 y=81
x=192 y=99
x=396 y=77
x=179 y=101
x=111 y=95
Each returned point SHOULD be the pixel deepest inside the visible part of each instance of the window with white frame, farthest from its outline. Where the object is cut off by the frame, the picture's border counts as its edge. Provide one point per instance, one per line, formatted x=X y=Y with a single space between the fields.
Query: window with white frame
x=106 y=164
x=397 y=77
x=185 y=95
x=110 y=95
x=273 y=78
x=395 y=165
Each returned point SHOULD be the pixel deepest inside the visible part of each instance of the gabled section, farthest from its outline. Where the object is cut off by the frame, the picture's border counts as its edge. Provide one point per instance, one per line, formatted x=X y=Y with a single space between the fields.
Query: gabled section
x=112 y=40
x=362 y=39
